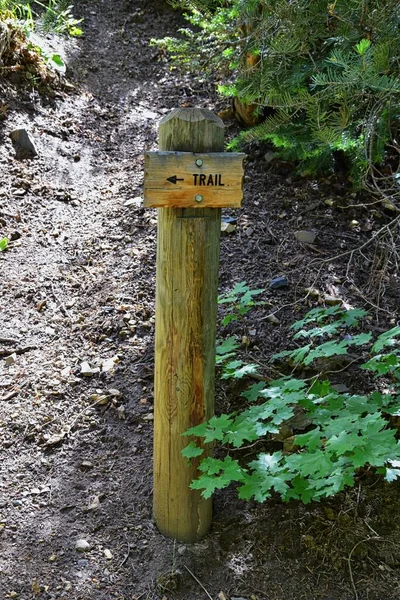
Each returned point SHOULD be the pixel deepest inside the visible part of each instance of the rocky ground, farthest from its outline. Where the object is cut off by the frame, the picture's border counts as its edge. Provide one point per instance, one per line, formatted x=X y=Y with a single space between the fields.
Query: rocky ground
x=76 y=341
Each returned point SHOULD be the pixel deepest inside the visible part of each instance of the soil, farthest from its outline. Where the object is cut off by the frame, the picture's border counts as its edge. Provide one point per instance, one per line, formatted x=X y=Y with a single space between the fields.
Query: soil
x=77 y=286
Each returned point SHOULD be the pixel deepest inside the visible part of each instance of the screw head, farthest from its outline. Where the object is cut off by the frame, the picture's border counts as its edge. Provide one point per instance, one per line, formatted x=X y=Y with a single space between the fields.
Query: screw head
x=198 y=198
x=199 y=162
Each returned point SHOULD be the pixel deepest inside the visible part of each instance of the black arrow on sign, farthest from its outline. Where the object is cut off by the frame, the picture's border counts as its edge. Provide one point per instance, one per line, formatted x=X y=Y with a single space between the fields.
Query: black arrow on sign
x=174 y=179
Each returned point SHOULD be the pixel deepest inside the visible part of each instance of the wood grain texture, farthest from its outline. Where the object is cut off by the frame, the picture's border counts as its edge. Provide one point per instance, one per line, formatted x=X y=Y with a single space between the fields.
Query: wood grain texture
x=186 y=307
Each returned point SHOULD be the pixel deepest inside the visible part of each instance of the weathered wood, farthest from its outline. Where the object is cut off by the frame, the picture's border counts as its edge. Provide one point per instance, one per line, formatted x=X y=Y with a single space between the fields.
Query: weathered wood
x=186 y=179
x=186 y=306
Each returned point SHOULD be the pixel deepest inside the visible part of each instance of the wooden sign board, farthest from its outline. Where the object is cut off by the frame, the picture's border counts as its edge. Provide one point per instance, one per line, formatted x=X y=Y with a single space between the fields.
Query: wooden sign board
x=188 y=180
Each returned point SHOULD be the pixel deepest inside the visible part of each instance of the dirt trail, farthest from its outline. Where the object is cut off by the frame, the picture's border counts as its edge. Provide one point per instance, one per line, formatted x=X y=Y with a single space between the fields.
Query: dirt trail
x=77 y=286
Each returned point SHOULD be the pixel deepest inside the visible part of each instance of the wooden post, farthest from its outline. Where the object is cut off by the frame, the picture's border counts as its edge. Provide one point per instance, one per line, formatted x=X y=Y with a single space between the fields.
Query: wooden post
x=186 y=307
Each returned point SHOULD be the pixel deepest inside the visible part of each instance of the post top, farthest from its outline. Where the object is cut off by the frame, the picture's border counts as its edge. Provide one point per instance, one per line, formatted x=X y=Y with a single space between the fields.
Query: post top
x=193 y=115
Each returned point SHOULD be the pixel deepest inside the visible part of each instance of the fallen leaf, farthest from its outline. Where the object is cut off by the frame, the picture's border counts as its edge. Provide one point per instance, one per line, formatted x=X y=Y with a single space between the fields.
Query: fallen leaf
x=36 y=589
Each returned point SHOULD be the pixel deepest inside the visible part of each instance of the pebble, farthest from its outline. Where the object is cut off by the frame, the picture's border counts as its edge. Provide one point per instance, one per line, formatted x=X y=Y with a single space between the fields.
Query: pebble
x=332 y=301
x=86 y=464
x=273 y=319
x=23 y=144
x=83 y=562
x=10 y=360
x=137 y=201
x=278 y=282
x=87 y=370
x=227 y=227
x=308 y=237
x=82 y=546
x=269 y=156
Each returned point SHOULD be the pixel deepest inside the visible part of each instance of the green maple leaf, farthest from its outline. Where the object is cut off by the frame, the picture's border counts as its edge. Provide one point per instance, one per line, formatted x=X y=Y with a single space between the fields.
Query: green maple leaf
x=245 y=370
x=198 y=430
x=343 y=442
x=352 y=316
x=254 y=391
x=392 y=474
x=332 y=348
x=312 y=439
x=217 y=427
x=386 y=339
x=243 y=429
x=300 y=490
x=228 y=345
x=359 y=340
x=217 y=474
x=192 y=451
x=329 y=329
x=267 y=463
x=310 y=463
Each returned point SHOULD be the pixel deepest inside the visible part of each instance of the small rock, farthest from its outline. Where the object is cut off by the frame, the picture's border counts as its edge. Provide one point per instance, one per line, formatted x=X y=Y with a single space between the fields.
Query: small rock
x=87 y=370
x=341 y=388
x=313 y=292
x=278 y=282
x=109 y=364
x=269 y=156
x=182 y=550
x=94 y=504
x=83 y=562
x=65 y=373
x=228 y=227
x=108 y=554
x=332 y=301
x=86 y=465
x=121 y=413
x=249 y=231
x=23 y=144
x=10 y=360
x=137 y=201
x=308 y=237
x=82 y=546
x=273 y=319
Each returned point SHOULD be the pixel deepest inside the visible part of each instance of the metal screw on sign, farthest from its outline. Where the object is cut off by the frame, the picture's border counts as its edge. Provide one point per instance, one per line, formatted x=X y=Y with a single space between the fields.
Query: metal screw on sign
x=198 y=197
x=199 y=162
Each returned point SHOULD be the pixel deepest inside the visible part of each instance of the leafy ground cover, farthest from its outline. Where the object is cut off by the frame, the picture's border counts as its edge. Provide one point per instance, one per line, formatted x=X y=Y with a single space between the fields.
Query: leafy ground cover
x=76 y=347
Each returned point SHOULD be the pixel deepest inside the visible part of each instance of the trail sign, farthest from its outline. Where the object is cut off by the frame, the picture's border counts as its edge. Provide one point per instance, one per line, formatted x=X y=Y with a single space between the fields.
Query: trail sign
x=188 y=179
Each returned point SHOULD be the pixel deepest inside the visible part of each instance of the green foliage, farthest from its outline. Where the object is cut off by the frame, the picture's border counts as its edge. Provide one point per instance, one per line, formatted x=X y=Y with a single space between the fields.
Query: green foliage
x=240 y=300
x=3 y=244
x=35 y=18
x=345 y=432
x=329 y=71
x=58 y=17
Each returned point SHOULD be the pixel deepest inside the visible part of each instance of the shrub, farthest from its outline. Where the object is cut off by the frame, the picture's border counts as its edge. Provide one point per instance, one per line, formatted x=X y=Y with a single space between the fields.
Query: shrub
x=344 y=432
x=329 y=72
